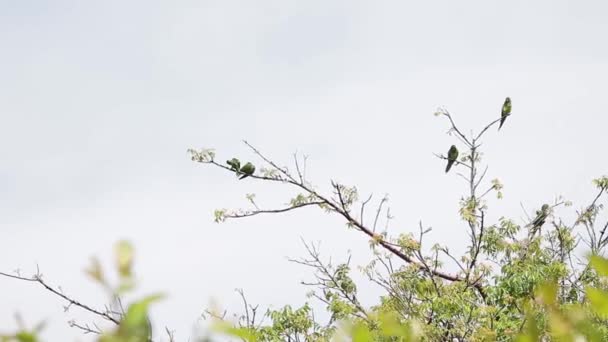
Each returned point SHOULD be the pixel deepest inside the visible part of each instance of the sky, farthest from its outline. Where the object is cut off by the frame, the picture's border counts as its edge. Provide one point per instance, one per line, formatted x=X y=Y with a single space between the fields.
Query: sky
x=99 y=102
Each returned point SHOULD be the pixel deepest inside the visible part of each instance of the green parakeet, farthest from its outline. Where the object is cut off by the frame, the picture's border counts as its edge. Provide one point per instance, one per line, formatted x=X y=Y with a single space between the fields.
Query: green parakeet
x=541 y=216
x=452 y=157
x=247 y=170
x=235 y=164
x=506 y=111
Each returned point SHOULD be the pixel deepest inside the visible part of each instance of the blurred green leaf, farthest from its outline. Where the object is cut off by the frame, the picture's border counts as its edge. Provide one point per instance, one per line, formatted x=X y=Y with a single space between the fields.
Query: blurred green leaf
x=124 y=258
x=599 y=264
x=230 y=330
x=26 y=337
x=361 y=333
x=95 y=271
x=531 y=332
x=599 y=301
x=135 y=322
x=548 y=293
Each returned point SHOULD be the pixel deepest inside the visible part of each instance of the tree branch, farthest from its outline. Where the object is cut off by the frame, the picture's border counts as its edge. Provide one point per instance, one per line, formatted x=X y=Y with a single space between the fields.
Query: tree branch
x=37 y=278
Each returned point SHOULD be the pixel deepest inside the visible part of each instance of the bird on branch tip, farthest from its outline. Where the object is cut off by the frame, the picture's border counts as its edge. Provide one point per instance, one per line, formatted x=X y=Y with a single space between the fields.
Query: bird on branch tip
x=506 y=111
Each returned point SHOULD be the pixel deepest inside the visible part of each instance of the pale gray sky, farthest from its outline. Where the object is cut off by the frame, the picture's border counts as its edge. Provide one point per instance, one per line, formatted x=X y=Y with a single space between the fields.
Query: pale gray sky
x=100 y=100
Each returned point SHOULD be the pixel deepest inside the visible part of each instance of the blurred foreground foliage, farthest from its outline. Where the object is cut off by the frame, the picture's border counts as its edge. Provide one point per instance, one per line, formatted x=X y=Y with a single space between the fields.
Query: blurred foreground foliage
x=545 y=318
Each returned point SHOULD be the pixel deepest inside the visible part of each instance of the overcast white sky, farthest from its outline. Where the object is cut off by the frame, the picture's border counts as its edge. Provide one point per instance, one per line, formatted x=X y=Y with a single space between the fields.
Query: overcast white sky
x=100 y=100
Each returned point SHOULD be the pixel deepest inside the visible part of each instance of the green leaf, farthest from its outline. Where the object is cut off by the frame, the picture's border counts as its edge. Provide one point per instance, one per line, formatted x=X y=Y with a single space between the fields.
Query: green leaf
x=531 y=332
x=25 y=337
x=124 y=258
x=135 y=320
x=361 y=333
x=599 y=264
x=548 y=293
x=230 y=330
x=599 y=301
x=220 y=215
x=390 y=326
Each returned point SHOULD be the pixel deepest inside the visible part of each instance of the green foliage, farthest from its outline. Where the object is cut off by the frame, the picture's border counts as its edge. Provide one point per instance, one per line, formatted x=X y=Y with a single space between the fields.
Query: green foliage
x=516 y=280
x=135 y=325
x=600 y=265
x=601 y=183
x=497 y=185
x=543 y=317
x=22 y=336
x=219 y=215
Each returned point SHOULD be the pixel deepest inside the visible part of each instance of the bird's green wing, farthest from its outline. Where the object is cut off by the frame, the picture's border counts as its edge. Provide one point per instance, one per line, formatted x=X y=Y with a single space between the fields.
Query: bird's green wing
x=452 y=157
x=247 y=170
x=506 y=107
x=541 y=216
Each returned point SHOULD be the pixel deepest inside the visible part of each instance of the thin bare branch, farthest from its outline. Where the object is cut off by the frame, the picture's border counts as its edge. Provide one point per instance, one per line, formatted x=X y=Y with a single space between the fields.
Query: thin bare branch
x=37 y=278
x=363 y=207
x=486 y=128
x=441 y=156
x=271 y=211
x=384 y=200
x=455 y=129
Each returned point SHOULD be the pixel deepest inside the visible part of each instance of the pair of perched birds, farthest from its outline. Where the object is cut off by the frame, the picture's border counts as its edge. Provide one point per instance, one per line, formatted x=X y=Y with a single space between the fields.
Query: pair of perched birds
x=243 y=172
x=453 y=151
x=543 y=213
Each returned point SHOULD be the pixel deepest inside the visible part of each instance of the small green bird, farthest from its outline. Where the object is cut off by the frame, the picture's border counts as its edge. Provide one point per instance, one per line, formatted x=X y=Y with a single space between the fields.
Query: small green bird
x=247 y=170
x=506 y=111
x=235 y=164
x=541 y=217
x=452 y=156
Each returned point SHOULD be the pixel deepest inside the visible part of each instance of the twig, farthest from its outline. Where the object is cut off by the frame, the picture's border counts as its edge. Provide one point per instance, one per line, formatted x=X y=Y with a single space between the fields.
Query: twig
x=37 y=278
x=271 y=211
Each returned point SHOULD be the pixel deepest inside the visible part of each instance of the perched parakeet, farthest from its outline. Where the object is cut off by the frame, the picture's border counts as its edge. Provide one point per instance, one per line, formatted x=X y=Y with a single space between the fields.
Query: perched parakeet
x=452 y=157
x=541 y=216
x=247 y=170
x=235 y=164
x=506 y=111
